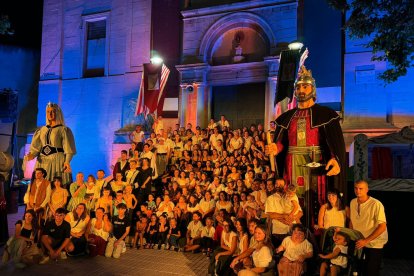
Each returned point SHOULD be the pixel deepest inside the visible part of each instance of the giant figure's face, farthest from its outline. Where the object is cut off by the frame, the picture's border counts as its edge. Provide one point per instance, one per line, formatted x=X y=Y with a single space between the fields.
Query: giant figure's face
x=51 y=114
x=303 y=92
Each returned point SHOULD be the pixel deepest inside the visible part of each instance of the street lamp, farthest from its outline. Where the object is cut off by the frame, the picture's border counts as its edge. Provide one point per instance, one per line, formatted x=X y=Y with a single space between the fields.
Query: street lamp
x=157 y=60
x=295 y=45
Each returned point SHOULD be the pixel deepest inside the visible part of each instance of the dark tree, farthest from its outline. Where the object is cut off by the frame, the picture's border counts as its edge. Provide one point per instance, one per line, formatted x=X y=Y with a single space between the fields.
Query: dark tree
x=5 y=25
x=389 y=24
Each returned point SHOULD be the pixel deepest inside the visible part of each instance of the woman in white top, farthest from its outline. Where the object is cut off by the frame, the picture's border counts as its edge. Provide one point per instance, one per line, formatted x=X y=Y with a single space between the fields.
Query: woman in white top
x=261 y=256
x=333 y=213
x=167 y=207
x=78 y=220
x=206 y=205
x=97 y=233
x=223 y=203
x=242 y=236
x=220 y=260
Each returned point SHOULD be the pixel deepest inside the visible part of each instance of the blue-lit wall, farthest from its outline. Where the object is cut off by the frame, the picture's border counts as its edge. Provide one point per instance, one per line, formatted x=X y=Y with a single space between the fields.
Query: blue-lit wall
x=19 y=69
x=369 y=102
x=94 y=108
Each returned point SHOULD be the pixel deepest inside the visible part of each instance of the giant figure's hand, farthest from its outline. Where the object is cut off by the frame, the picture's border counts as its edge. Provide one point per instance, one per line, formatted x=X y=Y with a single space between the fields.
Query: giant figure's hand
x=66 y=168
x=29 y=156
x=271 y=149
x=336 y=169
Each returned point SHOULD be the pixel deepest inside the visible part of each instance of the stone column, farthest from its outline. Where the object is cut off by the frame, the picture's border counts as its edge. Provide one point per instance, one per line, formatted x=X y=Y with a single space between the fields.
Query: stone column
x=269 y=101
x=182 y=104
x=202 y=104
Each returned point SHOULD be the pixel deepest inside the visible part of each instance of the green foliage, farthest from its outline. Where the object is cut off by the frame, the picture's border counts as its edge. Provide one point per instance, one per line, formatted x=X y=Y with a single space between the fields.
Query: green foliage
x=389 y=24
x=5 y=25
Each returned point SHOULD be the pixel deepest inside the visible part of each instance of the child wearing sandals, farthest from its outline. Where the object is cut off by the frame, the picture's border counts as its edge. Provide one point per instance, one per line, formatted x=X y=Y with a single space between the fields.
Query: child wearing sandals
x=152 y=232
x=141 y=226
x=163 y=228
x=174 y=235
x=207 y=235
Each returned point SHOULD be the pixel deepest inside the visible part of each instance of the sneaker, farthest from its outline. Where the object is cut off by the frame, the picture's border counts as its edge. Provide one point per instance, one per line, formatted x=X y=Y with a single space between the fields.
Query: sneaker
x=63 y=255
x=44 y=260
x=124 y=248
x=172 y=247
x=20 y=265
x=167 y=247
x=6 y=256
x=162 y=246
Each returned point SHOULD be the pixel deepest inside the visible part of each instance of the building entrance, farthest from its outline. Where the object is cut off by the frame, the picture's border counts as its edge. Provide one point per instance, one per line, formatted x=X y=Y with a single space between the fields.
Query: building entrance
x=242 y=104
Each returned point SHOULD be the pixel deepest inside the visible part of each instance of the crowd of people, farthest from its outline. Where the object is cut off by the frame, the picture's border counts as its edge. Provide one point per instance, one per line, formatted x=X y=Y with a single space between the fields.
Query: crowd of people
x=209 y=191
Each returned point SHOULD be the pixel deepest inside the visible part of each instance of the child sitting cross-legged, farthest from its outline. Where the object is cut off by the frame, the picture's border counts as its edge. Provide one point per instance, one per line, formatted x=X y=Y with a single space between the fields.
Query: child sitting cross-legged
x=174 y=235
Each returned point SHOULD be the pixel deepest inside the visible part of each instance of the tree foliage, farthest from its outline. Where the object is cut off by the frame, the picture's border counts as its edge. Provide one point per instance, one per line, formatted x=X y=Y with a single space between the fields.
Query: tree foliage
x=389 y=24
x=5 y=27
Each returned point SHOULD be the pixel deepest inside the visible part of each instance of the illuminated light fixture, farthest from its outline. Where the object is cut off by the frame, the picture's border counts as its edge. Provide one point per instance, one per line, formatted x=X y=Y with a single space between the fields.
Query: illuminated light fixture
x=156 y=60
x=295 y=45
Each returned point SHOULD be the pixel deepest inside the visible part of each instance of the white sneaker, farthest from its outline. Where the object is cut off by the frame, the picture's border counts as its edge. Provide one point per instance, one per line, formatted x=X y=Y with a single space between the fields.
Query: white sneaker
x=20 y=265
x=44 y=260
x=124 y=248
x=172 y=247
x=6 y=256
x=63 y=255
x=162 y=246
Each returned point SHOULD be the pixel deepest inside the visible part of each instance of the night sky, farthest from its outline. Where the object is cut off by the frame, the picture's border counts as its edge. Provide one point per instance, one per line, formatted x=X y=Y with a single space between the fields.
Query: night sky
x=26 y=21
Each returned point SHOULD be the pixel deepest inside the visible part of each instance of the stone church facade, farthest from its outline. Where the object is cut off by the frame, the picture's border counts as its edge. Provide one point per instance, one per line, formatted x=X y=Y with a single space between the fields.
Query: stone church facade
x=93 y=51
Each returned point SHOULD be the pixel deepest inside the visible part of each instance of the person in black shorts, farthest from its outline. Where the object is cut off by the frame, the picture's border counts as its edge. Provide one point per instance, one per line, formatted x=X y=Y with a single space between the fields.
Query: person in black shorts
x=55 y=237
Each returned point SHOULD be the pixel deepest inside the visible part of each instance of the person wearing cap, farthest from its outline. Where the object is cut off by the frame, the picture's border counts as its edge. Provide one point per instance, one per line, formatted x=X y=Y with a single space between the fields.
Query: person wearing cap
x=310 y=134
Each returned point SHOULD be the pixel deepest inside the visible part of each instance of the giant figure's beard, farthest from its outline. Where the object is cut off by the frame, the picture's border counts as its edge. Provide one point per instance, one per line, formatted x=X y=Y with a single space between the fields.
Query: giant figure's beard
x=302 y=97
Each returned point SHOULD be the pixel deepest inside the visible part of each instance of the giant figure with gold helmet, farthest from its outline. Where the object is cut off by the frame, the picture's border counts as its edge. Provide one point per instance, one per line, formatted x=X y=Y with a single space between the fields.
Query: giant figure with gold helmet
x=310 y=148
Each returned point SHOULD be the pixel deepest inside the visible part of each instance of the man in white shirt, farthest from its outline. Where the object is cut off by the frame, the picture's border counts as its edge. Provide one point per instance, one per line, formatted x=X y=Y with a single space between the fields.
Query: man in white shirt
x=367 y=215
x=277 y=210
x=223 y=123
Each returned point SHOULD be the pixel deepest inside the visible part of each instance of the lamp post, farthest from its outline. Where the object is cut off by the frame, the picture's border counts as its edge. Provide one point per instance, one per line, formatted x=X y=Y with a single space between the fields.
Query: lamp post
x=157 y=60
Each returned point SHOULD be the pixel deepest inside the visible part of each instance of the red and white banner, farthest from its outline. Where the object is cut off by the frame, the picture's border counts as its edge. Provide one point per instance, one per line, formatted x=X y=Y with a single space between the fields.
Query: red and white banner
x=151 y=91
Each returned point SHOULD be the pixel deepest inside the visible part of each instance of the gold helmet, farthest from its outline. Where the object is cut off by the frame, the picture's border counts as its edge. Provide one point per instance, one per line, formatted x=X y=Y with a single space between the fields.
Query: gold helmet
x=305 y=77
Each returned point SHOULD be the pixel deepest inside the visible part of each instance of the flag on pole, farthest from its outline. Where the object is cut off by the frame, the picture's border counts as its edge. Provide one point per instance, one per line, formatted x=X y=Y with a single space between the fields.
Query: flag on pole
x=151 y=91
x=290 y=63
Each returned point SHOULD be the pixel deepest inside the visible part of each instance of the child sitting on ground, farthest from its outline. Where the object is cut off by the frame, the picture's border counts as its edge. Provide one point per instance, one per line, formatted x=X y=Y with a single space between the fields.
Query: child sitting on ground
x=174 y=235
x=194 y=233
x=141 y=225
x=163 y=228
x=207 y=235
x=336 y=260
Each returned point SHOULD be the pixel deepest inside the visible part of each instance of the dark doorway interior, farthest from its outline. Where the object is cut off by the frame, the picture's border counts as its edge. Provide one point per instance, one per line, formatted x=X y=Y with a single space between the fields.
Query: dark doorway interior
x=242 y=104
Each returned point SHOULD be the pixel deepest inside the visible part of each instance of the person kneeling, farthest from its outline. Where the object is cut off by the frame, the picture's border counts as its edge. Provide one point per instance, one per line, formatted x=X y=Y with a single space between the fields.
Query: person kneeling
x=121 y=226
x=56 y=237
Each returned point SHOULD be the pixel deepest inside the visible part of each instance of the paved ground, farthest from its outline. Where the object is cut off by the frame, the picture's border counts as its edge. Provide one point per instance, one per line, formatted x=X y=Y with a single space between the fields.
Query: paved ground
x=148 y=262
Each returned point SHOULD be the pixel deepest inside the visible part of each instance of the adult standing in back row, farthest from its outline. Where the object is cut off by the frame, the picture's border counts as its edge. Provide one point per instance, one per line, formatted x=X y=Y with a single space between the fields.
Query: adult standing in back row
x=368 y=217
